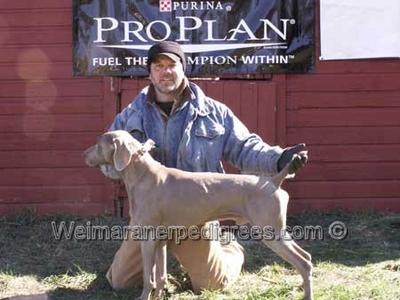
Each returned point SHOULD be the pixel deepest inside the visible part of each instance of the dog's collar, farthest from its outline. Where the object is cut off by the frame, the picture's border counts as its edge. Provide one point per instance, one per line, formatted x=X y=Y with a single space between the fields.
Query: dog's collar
x=146 y=147
x=141 y=152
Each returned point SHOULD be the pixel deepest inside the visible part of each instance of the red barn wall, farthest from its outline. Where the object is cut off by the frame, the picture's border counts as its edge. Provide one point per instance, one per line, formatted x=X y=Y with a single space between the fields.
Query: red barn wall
x=47 y=117
x=348 y=112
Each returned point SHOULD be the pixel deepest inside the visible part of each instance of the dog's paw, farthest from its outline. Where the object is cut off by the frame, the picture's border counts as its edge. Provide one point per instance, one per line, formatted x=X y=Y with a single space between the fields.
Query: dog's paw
x=298 y=161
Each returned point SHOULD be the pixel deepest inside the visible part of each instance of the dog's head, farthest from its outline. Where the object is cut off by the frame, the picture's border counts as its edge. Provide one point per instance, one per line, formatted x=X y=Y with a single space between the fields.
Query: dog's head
x=117 y=148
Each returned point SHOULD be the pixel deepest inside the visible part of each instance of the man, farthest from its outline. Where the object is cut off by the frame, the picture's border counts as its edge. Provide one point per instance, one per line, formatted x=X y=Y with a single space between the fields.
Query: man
x=192 y=132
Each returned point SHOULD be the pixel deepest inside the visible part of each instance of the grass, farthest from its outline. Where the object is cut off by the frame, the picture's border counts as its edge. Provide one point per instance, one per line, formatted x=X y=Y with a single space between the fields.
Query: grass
x=364 y=265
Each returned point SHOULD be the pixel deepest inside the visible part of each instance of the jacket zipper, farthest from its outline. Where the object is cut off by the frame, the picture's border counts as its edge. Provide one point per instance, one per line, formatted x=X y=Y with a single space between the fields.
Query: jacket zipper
x=165 y=142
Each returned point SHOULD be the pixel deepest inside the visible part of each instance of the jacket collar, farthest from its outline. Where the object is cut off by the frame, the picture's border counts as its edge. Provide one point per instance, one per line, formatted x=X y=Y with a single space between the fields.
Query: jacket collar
x=200 y=102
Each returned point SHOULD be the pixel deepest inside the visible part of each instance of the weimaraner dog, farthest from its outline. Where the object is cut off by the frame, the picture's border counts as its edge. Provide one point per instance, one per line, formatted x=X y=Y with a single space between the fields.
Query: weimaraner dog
x=164 y=196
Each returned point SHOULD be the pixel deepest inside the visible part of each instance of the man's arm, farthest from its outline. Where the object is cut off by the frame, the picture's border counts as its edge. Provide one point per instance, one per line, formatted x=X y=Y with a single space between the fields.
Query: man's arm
x=130 y=117
x=249 y=153
x=120 y=120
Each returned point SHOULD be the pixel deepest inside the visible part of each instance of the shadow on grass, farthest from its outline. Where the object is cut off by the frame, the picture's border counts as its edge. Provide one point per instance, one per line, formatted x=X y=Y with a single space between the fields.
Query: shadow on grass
x=371 y=238
x=99 y=289
x=29 y=247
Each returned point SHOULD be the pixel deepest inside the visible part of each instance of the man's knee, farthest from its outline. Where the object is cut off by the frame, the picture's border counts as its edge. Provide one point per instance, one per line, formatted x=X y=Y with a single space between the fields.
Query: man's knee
x=120 y=281
x=126 y=268
x=210 y=283
x=220 y=268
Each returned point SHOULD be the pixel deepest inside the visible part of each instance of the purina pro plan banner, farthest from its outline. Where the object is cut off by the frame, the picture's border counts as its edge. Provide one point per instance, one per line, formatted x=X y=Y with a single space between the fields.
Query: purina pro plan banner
x=111 y=37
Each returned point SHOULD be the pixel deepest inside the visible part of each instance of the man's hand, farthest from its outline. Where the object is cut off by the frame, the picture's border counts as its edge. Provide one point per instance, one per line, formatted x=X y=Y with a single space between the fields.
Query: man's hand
x=300 y=151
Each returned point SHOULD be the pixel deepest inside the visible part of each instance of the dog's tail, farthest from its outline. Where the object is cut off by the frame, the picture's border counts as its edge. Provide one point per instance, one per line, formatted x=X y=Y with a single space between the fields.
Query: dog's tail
x=286 y=172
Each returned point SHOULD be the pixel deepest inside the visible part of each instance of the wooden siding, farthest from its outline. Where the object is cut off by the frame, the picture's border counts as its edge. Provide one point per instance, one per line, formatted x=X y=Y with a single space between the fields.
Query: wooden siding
x=348 y=112
x=47 y=117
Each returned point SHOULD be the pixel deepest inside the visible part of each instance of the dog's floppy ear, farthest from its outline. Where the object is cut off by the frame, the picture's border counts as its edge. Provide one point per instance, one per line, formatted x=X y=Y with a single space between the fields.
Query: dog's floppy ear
x=122 y=154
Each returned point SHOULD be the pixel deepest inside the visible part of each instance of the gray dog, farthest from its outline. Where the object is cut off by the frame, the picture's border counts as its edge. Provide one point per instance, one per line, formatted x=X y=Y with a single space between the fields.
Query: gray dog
x=164 y=196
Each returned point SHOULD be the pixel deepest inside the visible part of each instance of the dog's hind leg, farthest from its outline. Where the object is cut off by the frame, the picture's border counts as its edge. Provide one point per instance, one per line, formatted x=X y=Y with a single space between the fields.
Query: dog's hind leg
x=303 y=253
x=301 y=260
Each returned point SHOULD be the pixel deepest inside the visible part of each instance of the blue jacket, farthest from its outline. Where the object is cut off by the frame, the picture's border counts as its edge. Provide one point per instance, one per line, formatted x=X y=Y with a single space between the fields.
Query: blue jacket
x=198 y=135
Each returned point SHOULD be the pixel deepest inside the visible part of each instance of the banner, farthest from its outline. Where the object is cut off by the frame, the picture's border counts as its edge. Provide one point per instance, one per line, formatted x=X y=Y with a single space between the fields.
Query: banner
x=111 y=38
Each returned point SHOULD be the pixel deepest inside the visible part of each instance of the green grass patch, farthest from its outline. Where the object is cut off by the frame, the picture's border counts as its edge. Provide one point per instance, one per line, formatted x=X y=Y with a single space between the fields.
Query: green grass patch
x=364 y=265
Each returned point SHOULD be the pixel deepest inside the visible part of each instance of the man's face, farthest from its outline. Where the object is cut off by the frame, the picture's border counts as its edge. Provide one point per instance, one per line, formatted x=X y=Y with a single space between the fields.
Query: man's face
x=166 y=74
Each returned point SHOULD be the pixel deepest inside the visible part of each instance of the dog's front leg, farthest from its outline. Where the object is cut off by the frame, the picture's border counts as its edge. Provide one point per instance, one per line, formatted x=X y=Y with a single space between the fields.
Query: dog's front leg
x=161 y=269
x=148 y=248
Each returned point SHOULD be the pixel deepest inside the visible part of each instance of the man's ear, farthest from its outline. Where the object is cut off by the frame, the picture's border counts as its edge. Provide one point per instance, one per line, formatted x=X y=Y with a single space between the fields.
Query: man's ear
x=122 y=154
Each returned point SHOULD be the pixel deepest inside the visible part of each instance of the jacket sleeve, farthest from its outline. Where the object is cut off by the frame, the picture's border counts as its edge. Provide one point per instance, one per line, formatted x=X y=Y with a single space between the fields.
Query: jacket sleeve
x=120 y=121
x=130 y=117
x=246 y=150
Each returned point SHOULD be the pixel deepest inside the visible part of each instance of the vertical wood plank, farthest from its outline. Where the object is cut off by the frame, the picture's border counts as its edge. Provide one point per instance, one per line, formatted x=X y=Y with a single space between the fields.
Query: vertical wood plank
x=249 y=105
x=266 y=126
x=231 y=95
x=280 y=80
